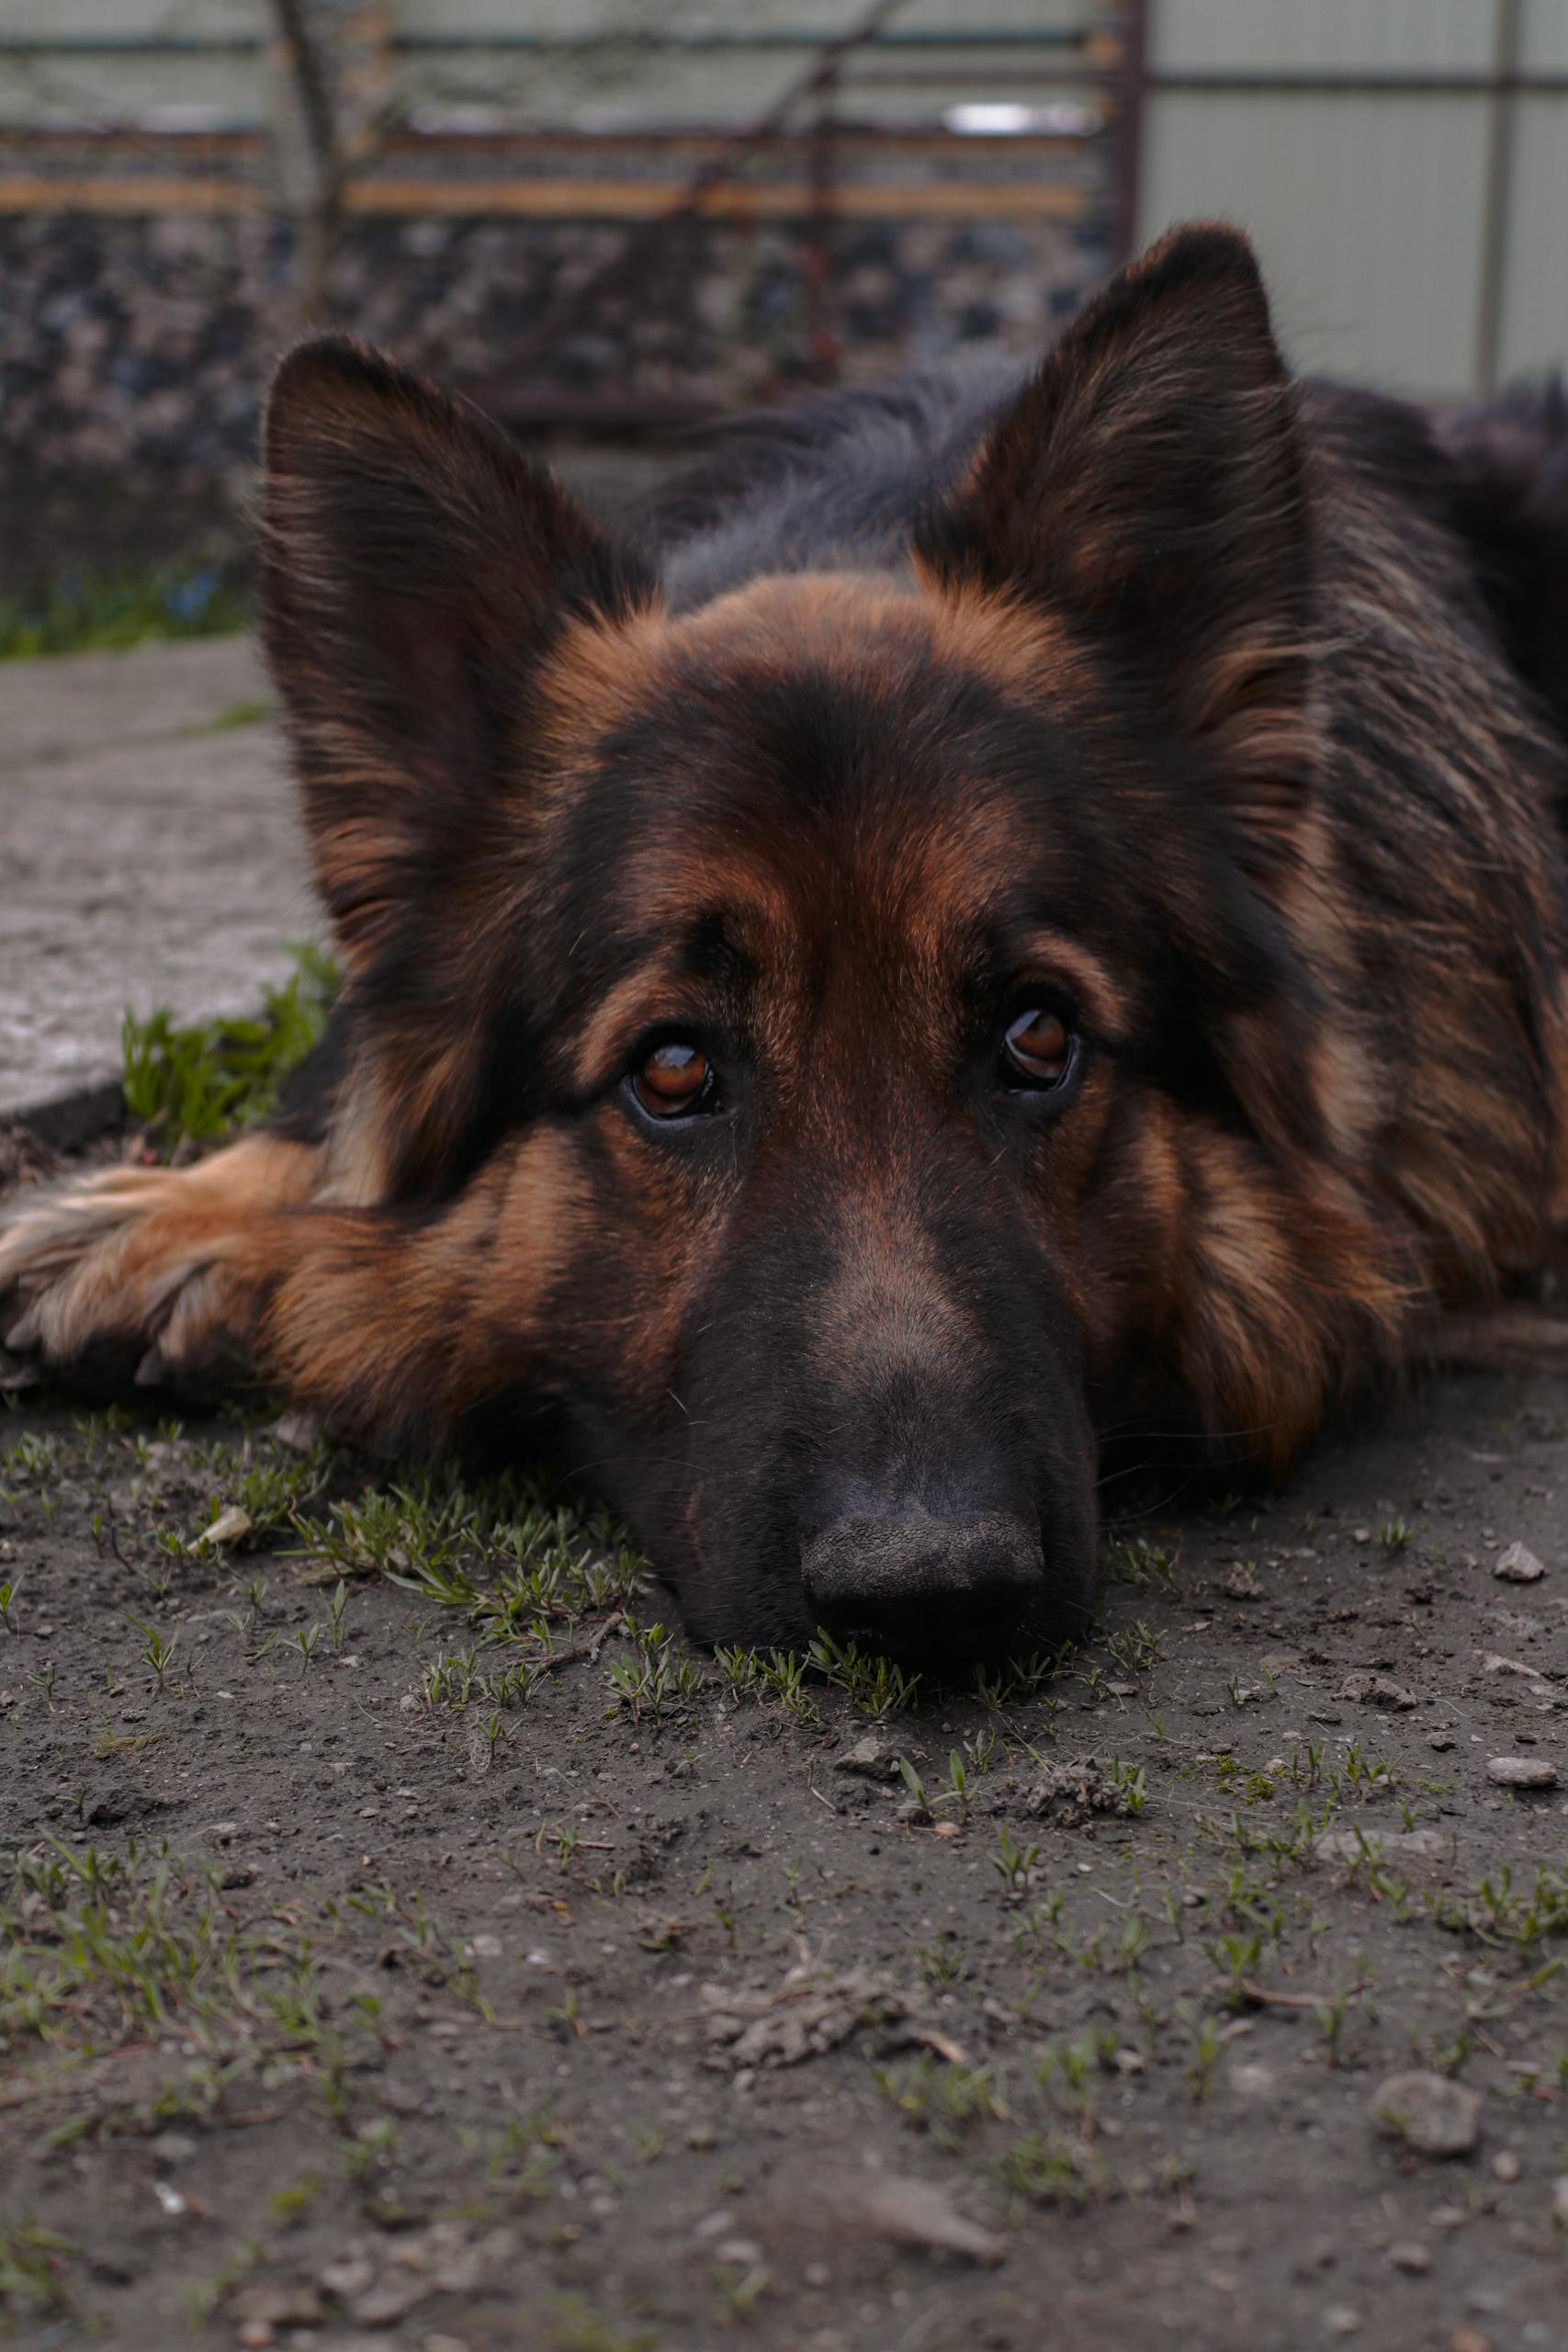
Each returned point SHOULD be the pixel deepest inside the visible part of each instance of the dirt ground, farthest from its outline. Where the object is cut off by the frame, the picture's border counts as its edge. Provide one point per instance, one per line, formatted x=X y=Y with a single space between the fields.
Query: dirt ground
x=405 y=1942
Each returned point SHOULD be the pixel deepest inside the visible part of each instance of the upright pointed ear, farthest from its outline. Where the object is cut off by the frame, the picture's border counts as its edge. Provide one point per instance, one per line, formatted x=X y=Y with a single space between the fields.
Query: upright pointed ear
x=1149 y=483
x=415 y=570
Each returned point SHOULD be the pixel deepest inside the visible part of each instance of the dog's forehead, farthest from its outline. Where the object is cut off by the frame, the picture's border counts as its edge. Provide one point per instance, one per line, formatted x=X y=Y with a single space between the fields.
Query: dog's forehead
x=808 y=738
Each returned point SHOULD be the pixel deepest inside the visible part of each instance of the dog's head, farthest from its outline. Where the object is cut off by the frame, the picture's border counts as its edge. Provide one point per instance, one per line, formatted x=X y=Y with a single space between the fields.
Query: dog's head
x=846 y=997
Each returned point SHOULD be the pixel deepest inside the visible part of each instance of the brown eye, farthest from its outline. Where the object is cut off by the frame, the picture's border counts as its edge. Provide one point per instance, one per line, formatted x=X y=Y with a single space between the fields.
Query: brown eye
x=675 y=1079
x=1039 y=1049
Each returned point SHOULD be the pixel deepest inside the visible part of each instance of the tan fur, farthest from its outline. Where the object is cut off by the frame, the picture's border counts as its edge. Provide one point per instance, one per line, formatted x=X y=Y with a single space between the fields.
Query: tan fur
x=142 y=1256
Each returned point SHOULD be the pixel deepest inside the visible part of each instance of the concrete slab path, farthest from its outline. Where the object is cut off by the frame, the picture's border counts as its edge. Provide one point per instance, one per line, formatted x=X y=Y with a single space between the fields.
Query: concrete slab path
x=148 y=853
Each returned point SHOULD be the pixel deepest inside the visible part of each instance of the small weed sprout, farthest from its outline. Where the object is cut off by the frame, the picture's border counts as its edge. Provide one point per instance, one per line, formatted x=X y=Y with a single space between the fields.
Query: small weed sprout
x=657 y=1675
x=877 y=1685
x=1136 y=1648
x=1047 y=2170
x=157 y=1651
x=935 y=2095
x=1207 y=2037
x=1013 y=1863
x=916 y=1788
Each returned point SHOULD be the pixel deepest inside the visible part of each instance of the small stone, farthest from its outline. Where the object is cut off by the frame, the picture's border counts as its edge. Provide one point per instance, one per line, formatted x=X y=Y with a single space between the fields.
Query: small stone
x=745 y=2253
x=350 y=2274
x=1560 y=2199
x=384 y=2305
x=172 y=2148
x=870 y=1758
x=1410 y=2255
x=1522 y=1772
x=1469 y=2339
x=1441 y=1741
x=1447 y=2217
x=1381 y=1845
x=278 y=2302
x=297 y=1431
x=1518 y=1564
x=702 y=2135
x=1377 y=1690
x=1428 y=2112
x=1506 y=2166
x=256 y=2335
x=1340 y=2320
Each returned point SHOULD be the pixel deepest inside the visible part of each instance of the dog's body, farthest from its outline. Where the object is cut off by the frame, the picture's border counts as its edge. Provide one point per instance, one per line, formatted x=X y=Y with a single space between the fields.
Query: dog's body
x=1051 y=918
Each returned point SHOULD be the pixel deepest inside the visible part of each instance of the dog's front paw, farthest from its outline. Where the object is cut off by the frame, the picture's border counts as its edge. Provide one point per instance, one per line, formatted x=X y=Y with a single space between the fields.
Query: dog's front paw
x=135 y=1275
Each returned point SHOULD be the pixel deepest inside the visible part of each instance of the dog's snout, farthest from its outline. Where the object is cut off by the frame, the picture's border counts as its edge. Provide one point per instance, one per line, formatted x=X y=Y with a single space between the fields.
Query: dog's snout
x=921 y=1582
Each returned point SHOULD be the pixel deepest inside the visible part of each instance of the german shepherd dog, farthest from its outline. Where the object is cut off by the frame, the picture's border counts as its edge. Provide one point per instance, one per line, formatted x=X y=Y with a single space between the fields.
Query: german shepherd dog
x=1033 y=907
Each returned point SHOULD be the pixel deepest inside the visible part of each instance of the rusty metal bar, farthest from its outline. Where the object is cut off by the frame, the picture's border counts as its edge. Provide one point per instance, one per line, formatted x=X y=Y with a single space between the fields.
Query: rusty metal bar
x=1128 y=150
x=1209 y=83
x=1497 y=204
x=646 y=202
x=817 y=262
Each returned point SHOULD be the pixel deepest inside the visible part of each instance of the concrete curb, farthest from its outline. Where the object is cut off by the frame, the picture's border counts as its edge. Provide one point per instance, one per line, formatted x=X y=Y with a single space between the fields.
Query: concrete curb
x=69 y=1122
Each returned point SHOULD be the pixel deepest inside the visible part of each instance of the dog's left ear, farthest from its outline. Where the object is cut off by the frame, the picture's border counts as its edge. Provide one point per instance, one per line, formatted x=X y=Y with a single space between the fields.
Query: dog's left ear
x=1148 y=482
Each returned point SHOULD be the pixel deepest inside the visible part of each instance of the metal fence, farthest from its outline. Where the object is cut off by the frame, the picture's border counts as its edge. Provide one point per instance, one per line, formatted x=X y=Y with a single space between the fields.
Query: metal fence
x=1402 y=164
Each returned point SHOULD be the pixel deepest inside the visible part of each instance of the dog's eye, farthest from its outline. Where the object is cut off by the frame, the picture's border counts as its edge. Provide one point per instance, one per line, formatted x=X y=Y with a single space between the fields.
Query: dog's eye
x=675 y=1080
x=1037 y=1049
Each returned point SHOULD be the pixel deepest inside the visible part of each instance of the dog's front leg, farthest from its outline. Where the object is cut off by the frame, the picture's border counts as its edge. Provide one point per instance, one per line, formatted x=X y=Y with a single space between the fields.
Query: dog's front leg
x=394 y=1323
x=157 y=1274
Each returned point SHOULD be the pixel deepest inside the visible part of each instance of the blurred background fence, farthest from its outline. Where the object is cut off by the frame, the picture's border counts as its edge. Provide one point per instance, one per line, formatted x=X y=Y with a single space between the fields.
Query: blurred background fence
x=610 y=219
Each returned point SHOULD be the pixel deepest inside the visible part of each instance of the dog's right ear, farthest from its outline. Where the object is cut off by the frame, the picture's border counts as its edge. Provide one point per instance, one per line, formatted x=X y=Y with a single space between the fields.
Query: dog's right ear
x=415 y=570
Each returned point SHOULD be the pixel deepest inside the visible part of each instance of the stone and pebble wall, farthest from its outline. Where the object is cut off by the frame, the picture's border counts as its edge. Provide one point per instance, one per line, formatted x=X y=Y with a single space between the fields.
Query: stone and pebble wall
x=133 y=350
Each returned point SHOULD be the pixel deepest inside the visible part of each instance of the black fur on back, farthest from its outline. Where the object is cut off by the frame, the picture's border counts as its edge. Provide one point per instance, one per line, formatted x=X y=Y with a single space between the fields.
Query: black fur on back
x=836 y=483
x=1508 y=459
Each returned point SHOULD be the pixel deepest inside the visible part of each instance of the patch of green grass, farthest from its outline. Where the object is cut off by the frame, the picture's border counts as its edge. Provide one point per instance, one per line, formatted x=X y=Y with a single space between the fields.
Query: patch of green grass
x=1070 y=2072
x=271 y=1490
x=106 y=612
x=249 y=711
x=98 y=1948
x=655 y=1674
x=197 y=1082
x=781 y=1677
x=935 y=2095
x=1501 y=1913
x=575 y=2328
x=877 y=1685
x=1047 y=2169
x=535 y=1587
x=32 y=2270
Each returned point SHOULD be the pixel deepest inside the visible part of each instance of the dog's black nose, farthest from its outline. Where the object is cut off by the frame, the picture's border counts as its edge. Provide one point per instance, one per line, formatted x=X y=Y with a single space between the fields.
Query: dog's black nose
x=922 y=1585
